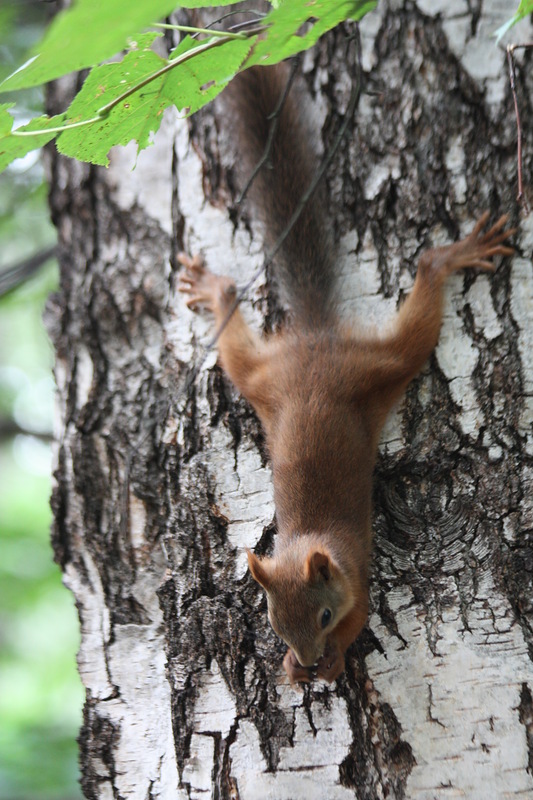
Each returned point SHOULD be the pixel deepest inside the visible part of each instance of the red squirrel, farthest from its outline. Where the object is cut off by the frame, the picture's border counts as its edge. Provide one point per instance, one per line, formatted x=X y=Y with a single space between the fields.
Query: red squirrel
x=321 y=389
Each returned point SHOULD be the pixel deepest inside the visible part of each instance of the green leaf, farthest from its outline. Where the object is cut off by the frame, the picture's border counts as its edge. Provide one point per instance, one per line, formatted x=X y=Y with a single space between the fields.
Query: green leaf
x=125 y=100
x=89 y=32
x=124 y=122
x=284 y=37
x=188 y=86
x=205 y=3
x=524 y=9
x=14 y=145
x=6 y=120
x=196 y=82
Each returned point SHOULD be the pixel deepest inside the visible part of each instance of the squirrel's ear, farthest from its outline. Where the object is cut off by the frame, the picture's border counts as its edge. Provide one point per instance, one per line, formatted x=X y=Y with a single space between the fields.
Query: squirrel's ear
x=317 y=565
x=259 y=569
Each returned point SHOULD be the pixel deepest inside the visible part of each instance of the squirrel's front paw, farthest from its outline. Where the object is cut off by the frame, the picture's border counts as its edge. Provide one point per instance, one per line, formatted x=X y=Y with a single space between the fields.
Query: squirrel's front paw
x=202 y=286
x=478 y=247
x=331 y=664
x=295 y=671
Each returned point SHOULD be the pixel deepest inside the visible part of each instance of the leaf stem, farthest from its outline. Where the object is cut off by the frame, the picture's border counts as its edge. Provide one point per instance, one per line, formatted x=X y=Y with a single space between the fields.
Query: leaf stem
x=58 y=129
x=104 y=110
x=190 y=29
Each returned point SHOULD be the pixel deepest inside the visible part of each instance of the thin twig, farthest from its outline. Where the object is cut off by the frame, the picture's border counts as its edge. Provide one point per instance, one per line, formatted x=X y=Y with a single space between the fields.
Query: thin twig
x=9 y=429
x=260 y=16
x=257 y=20
x=274 y=120
x=11 y=277
x=512 y=78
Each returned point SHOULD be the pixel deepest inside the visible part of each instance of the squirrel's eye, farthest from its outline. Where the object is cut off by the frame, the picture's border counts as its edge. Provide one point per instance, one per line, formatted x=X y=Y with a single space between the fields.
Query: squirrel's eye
x=326 y=617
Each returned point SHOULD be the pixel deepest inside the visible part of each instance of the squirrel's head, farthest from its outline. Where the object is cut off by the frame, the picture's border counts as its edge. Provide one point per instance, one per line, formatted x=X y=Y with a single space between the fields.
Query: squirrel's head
x=307 y=597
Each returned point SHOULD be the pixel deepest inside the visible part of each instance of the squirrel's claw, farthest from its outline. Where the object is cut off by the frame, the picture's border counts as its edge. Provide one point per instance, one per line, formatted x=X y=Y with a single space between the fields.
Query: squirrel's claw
x=331 y=664
x=193 y=263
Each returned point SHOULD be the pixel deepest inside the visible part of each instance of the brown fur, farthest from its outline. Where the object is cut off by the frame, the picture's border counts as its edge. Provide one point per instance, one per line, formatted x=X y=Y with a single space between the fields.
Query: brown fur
x=304 y=267
x=322 y=395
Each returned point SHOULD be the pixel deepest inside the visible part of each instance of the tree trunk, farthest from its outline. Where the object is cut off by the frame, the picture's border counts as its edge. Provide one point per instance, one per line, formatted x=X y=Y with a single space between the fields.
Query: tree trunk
x=162 y=478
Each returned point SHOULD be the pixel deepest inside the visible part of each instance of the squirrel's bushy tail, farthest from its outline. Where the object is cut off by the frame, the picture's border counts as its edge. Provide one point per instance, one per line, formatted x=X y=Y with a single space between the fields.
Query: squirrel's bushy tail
x=304 y=265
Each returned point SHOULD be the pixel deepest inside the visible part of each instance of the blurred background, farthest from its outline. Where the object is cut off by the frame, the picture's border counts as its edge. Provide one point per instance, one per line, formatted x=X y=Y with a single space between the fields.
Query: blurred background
x=40 y=693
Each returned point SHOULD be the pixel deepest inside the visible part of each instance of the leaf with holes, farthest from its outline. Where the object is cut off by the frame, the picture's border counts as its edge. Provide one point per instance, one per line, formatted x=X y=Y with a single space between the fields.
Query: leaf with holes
x=297 y=25
x=197 y=81
x=161 y=83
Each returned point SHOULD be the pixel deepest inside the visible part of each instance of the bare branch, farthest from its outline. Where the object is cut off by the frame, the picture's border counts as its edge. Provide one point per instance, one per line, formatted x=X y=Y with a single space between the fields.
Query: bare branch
x=12 y=277
x=512 y=78
x=9 y=428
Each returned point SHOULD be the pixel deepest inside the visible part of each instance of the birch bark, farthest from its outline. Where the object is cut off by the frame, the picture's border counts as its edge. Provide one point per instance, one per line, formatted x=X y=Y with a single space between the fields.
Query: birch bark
x=158 y=491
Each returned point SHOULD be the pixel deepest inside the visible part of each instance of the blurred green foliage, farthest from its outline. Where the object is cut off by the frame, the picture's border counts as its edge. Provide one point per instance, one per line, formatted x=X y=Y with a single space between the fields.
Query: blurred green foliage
x=40 y=692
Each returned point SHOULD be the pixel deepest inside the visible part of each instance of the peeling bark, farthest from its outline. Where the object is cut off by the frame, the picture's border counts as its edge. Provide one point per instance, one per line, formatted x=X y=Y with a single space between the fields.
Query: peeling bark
x=162 y=480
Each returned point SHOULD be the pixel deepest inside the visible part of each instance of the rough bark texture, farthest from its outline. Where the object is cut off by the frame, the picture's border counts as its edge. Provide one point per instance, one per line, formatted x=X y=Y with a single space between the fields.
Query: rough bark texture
x=159 y=490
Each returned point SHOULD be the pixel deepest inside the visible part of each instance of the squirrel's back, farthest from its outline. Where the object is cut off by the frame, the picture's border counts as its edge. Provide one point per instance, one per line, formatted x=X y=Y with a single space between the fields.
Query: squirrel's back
x=304 y=265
